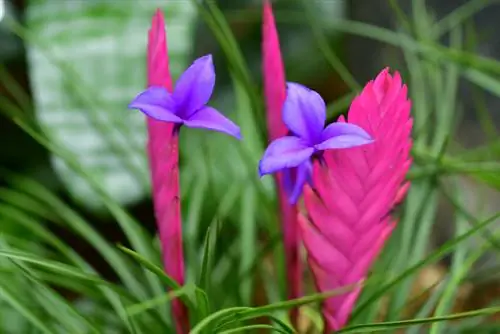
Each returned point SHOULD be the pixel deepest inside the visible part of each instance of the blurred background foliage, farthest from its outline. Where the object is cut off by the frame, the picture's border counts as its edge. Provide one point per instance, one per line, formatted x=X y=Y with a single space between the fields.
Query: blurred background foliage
x=74 y=173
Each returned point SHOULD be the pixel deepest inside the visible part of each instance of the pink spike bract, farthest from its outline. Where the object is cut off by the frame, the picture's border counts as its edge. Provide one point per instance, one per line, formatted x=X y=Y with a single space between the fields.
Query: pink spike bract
x=275 y=94
x=348 y=213
x=163 y=159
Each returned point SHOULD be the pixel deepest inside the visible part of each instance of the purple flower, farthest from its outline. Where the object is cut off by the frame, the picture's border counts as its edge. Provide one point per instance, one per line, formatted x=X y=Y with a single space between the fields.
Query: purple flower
x=304 y=113
x=187 y=104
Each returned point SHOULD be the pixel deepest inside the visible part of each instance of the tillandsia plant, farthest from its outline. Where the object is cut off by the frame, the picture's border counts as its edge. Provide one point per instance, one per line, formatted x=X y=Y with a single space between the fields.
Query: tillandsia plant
x=353 y=191
x=354 y=170
x=62 y=272
x=167 y=110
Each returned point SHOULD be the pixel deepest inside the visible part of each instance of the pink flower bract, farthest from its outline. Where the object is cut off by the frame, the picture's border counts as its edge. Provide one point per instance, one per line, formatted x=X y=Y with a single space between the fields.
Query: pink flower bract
x=275 y=94
x=348 y=211
x=163 y=159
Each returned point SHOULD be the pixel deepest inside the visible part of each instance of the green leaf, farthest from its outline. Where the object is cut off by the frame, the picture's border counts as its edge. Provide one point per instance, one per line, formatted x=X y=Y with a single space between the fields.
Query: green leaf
x=170 y=282
x=42 y=233
x=327 y=51
x=202 y=304
x=206 y=324
x=248 y=237
x=459 y=15
x=208 y=255
x=139 y=308
x=256 y=312
x=386 y=326
x=73 y=220
x=55 y=267
x=24 y=310
x=56 y=306
x=254 y=327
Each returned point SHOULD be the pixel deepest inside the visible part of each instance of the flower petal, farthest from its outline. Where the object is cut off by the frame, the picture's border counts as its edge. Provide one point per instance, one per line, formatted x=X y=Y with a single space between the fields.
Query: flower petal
x=304 y=112
x=343 y=135
x=211 y=119
x=342 y=128
x=157 y=103
x=303 y=175
x=284 y=152
x=195 y=86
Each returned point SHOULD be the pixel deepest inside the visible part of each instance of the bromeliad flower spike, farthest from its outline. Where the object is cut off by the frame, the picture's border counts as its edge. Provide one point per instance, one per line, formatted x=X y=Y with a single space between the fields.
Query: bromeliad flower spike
x=163 y=161
x=275 y=94
x=167 y=112
x=304 y=113
x=348 y=212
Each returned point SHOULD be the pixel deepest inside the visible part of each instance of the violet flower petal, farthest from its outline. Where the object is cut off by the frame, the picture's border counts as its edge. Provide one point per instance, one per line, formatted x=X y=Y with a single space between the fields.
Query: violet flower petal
x=211 y=119
x=284 y=152
x=303 y=175
x=304 y=112
x=157 y=103
x=195 y=86
x=343 y=135
x=342 y=128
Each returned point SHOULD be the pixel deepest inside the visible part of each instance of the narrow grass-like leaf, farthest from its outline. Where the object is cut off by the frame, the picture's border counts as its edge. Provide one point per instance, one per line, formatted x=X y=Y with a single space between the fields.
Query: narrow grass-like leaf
x=330 y=56
x=192 y=223
x=206 y=324
x=202 y=304
x=24 y=310
x=19 y=199
x=267 y=310
x=170 y=282
x=134 y=231
x=56 y=306
x=53 y=266
x=42 y=233
x=248 y=239
x=388 y=326
x=459 y=15
x=15 y=89
x=254 y=327
x=430 y=304
x=138 y=309
x=208 y=256
x=83 y=228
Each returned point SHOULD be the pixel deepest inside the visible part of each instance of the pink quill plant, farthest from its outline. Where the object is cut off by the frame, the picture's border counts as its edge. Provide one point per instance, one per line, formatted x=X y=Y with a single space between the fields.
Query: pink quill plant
x=296 y=123
x=275 y=94
x=163 y=160
x=167 y=110
x=353 y=192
